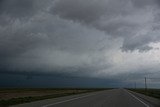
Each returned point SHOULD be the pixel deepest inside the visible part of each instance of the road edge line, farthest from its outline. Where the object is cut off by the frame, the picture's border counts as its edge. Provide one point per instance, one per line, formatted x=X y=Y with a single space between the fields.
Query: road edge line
x=138 y=99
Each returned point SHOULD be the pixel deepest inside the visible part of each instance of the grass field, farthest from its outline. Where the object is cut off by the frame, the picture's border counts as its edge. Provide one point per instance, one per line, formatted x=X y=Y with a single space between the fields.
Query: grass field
x=18 y=96
x=149 y=92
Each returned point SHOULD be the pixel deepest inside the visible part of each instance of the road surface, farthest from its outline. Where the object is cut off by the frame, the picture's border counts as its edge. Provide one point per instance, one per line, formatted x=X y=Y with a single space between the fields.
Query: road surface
x=107 y=98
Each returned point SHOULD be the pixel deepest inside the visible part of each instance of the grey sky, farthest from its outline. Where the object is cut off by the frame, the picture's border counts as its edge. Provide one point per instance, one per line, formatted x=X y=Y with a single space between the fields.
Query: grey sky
x=114 y=39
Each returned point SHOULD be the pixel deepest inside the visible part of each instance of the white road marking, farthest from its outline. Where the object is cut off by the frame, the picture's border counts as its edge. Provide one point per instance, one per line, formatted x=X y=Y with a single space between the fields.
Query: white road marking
x=67 y=100
x=91 y=95
x=138 y=99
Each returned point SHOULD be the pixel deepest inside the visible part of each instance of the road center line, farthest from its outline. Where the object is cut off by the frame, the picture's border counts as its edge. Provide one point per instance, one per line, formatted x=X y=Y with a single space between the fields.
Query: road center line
x=137 y=99
x=67 y=100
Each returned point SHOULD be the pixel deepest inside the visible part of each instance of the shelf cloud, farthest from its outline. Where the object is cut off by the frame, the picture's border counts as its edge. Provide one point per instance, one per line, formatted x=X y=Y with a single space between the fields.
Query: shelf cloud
x=86 y=38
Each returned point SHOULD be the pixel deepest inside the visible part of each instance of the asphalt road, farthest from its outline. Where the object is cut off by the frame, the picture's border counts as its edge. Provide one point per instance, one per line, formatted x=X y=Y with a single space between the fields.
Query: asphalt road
x=108 y=98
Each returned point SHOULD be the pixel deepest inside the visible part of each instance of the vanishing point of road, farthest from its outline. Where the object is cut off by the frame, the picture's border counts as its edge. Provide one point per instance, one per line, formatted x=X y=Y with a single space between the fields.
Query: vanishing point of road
x=107 y=98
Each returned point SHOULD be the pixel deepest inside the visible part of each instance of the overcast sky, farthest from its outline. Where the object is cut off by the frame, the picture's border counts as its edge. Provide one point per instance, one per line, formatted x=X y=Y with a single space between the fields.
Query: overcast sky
x=102 y=39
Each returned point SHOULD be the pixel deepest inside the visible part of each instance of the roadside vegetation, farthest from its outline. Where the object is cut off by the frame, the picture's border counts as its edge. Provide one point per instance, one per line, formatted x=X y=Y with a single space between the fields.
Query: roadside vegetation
x=17 y=96
x=149 y=92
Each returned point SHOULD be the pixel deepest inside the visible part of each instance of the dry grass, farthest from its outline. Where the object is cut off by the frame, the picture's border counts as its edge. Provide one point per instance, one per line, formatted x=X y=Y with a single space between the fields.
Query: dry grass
x=17 y=96
x=149 y=92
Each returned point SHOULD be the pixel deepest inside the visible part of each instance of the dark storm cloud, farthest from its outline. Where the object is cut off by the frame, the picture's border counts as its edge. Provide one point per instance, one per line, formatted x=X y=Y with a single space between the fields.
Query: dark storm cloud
x=88 y=38
x=17 y=8
x=144 y=3
x=45 y=42
x=118 y=19
x=84 y=11
x=141 y=42
x=21 y=8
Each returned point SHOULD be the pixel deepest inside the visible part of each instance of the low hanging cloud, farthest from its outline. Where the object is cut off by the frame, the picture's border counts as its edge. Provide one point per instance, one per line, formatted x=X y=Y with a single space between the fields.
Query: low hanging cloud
x=92 y=38
x=131 y=20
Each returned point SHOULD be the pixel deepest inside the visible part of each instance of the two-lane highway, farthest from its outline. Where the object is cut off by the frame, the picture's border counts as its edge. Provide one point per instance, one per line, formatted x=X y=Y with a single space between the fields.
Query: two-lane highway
x=112 y=98
x=108 y=98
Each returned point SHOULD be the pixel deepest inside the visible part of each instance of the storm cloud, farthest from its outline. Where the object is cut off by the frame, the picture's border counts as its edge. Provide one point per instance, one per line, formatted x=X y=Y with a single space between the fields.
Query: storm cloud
x=85 y=38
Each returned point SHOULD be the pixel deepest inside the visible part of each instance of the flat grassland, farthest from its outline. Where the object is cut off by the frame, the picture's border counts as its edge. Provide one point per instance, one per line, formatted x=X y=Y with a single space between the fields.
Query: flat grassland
x=149 y=92
x=24 y=95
